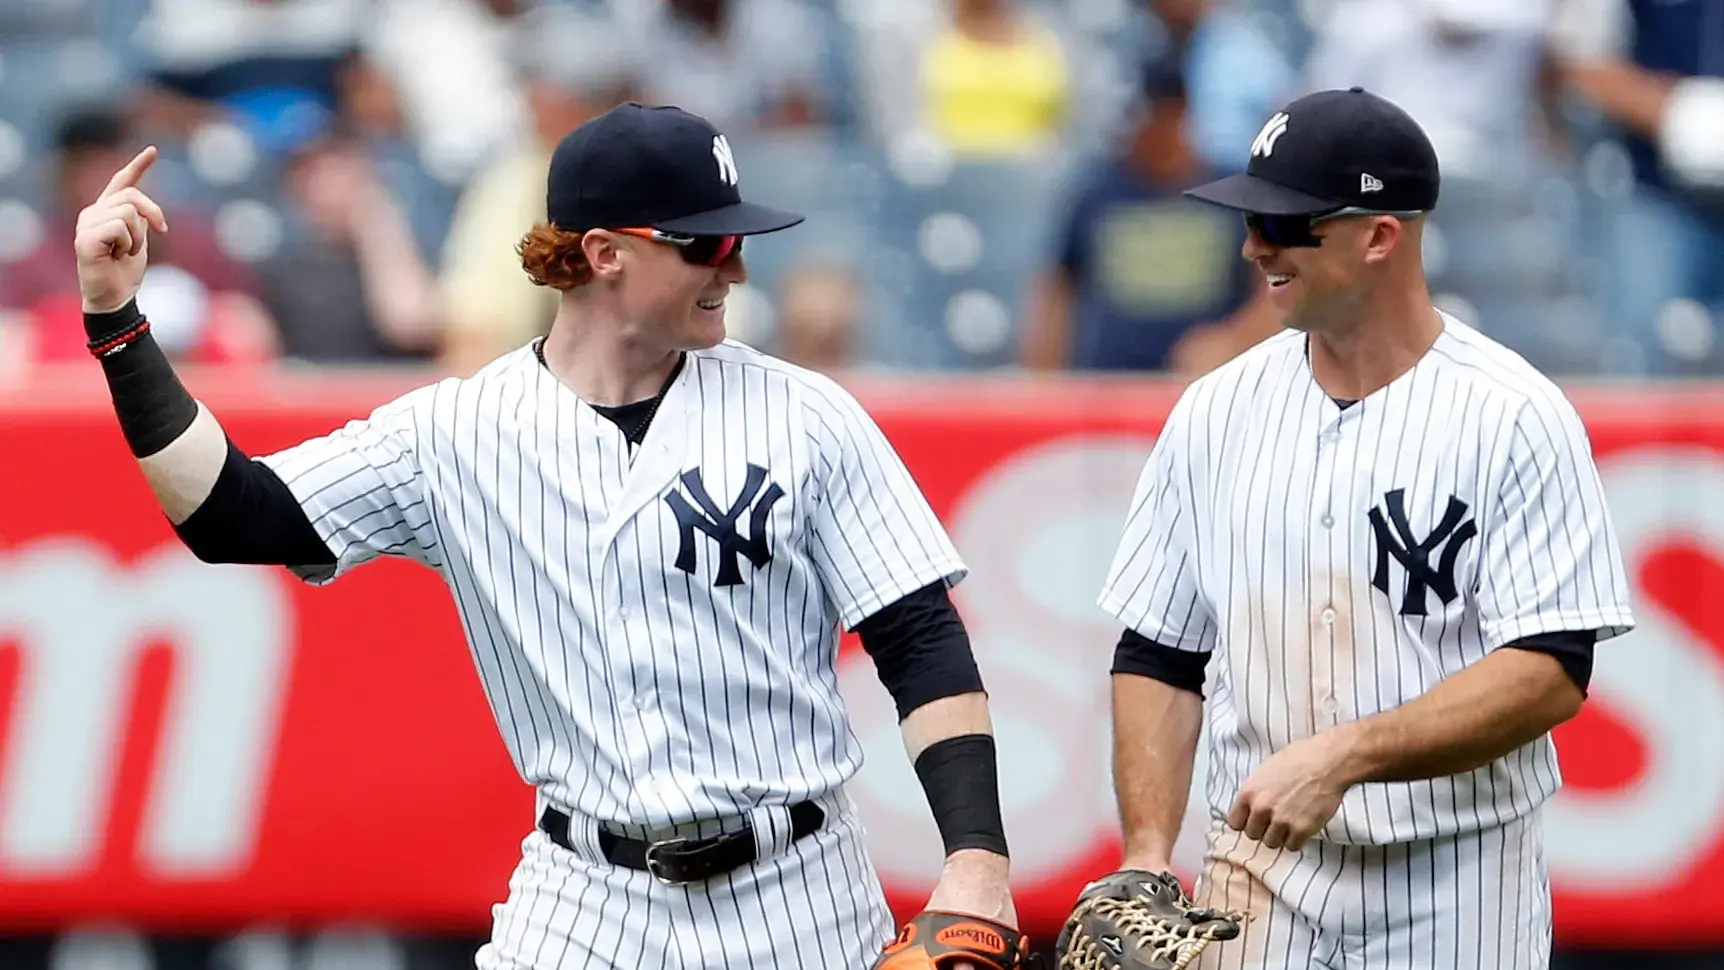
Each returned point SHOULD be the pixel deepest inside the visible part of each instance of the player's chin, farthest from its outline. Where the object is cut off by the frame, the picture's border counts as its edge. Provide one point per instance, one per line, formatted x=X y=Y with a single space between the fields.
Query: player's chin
x=705 y=327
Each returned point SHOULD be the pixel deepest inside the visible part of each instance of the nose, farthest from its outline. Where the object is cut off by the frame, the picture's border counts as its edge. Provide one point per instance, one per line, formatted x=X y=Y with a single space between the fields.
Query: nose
x=733 y=269
x=1255 y=246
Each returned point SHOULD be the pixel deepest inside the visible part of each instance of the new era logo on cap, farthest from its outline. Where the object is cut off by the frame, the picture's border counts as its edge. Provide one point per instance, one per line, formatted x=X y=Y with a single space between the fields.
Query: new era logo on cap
x=1369 y=183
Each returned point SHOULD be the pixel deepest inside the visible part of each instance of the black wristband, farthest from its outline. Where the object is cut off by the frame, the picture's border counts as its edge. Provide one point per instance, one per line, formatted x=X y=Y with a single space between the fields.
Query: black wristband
x=961 y=779
x=154 y=408
x=105 y=328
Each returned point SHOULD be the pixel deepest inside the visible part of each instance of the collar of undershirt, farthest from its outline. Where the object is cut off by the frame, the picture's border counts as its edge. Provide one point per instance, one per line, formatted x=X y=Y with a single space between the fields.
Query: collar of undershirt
x=1340 y=402
x=634 y=418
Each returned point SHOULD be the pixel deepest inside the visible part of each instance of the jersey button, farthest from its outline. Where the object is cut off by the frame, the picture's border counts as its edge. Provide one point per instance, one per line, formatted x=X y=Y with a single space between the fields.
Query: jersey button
x=623 y=613
x=1329 y=706
x=1328 y=616
x=1327 y=520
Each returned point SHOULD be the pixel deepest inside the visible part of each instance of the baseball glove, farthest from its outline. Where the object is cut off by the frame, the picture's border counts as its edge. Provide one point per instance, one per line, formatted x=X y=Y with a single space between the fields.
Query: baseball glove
x=936 y=940
x=1139 y=920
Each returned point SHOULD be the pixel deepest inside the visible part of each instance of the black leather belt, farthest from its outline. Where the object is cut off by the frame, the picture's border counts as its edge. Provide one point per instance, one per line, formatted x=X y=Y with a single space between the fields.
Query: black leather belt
x=678 y=861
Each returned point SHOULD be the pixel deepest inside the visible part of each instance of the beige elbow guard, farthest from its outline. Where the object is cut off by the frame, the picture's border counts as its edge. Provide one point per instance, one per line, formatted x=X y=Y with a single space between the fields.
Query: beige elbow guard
x=1691 y=133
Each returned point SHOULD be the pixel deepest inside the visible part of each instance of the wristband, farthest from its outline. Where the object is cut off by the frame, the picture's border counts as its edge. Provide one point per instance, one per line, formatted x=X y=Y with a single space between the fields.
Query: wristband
x=961 y=779
x=154 y=408
x=108 y=332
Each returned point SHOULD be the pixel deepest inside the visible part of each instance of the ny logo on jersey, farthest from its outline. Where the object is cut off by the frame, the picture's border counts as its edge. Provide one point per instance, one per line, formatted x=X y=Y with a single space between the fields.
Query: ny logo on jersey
x=721 y=526
x=1415 y=554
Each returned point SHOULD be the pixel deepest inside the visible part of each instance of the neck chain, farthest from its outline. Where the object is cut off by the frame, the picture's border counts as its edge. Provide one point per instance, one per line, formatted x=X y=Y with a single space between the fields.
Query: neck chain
x=656 y=400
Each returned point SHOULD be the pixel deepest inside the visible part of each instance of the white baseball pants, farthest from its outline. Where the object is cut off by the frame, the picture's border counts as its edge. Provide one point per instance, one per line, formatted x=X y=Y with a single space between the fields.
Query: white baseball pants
x=1479 y=901
x=815 y=904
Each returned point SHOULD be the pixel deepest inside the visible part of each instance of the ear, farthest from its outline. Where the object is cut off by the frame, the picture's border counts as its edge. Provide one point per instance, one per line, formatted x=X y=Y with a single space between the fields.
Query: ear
x=605 y=253
x=1387 y=235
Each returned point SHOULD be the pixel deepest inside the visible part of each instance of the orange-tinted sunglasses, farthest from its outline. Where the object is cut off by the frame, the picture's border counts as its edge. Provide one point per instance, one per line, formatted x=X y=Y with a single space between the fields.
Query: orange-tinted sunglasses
x=698 y=250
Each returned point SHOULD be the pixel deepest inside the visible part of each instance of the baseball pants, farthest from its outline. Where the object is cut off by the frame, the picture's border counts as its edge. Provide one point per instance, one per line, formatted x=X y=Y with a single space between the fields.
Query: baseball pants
x=1479 y=901
x=812 y=904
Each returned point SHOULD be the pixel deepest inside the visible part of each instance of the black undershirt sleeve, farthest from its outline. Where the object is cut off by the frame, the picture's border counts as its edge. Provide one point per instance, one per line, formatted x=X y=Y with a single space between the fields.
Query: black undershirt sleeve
x=1571 y=648
x=1137 y=654
x=921 y=649
x=1185 y=669
x=252 y=517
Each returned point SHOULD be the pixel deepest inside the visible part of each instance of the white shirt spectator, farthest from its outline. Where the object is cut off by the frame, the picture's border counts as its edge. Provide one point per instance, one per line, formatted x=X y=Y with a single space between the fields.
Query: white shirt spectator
x=1466 y=69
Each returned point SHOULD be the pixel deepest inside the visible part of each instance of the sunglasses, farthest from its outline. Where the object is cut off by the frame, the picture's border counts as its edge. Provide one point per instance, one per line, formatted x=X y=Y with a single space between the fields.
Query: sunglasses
x=1301 y=230
x=696 y=250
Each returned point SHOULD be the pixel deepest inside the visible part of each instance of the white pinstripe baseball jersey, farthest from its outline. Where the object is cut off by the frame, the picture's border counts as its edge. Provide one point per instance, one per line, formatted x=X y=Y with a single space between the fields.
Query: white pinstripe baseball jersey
x=1341 y=561
x=655 y=629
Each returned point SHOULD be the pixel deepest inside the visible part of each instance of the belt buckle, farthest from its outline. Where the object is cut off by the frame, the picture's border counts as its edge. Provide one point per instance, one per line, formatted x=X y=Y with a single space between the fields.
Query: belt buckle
x=656 y=866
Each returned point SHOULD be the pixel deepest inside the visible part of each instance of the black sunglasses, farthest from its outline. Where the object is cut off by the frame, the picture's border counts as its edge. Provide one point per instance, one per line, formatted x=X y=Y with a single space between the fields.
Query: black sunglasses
x=1301 y=230
x=697 y=250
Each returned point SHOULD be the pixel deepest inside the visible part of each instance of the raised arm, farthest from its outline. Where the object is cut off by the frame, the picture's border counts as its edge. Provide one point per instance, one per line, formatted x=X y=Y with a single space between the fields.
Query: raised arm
x=225 y=506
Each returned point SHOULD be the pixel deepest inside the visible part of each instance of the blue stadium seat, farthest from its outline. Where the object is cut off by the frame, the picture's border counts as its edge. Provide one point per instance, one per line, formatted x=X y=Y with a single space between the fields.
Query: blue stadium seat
x=1002 y=205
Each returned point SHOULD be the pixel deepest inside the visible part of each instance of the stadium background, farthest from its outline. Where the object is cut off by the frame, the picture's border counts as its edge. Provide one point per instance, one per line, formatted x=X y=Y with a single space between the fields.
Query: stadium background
x=205 y=767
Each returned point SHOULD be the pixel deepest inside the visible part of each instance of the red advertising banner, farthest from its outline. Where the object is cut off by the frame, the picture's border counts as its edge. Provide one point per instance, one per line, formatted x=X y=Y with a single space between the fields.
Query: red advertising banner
x=187 y=747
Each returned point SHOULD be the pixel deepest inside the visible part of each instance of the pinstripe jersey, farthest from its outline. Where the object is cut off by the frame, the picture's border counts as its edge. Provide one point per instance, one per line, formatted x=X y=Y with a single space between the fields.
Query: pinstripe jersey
x=655 y=628
x=1341 y=561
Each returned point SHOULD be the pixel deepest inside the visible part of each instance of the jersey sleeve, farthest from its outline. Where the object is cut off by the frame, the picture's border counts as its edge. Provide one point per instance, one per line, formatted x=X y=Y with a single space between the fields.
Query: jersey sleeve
x=1549 y=559
x=875 y=538
x=1152 y=584
x=362 y=489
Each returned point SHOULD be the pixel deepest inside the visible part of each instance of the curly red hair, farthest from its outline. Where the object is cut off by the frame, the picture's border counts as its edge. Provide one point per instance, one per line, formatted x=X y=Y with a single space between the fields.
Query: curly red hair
x=552 y=257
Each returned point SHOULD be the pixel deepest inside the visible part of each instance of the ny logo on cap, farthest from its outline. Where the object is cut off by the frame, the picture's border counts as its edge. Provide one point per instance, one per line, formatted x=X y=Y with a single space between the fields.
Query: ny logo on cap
x=1264 y=145
x=726 y=161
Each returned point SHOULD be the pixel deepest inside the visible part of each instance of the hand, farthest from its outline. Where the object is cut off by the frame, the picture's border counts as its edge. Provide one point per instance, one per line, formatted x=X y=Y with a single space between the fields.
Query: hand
x=112 y=238
x=976 y=882
x=1293 y=793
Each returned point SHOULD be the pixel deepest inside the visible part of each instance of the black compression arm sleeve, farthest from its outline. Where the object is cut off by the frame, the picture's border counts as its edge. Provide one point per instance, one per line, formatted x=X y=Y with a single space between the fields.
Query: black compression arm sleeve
x=1137 y=654
x=1571 y=648
x=920 y=649
x=250 y=516
x=153 y=406
x=961 y=779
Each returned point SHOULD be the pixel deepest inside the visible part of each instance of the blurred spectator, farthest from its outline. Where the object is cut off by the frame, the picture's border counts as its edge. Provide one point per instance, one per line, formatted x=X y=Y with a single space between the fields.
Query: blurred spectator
x=1146 y=279
x=1468 y=70
x=1476 y=74
x=449 y=64
x=819 y=310
x=203 y=305
x=740 y=64
x=1235 y=74
x=275 y=66
x=1655 y=70
x=995 y=81
x=570 y=71
x=349 y=284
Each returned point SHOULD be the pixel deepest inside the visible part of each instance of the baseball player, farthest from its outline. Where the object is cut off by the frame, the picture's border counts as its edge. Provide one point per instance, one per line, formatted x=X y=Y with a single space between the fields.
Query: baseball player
x=653 y=536
x=1379 y=543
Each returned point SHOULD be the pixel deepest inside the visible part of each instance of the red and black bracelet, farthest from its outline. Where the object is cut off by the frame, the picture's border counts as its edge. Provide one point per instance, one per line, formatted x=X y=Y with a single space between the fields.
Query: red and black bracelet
x=111 y=332
x=116 y=344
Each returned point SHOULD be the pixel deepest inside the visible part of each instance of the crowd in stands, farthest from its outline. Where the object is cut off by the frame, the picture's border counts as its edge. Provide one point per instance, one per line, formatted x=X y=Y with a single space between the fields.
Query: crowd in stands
x=990 y=184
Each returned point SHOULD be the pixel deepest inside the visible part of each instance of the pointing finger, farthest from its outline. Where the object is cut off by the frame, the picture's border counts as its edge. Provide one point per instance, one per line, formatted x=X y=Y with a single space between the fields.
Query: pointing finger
x=134 y=171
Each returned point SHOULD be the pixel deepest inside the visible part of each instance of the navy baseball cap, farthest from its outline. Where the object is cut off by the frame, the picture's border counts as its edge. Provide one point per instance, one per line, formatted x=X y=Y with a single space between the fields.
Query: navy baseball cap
x=639 y=167
x=1333 y=150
